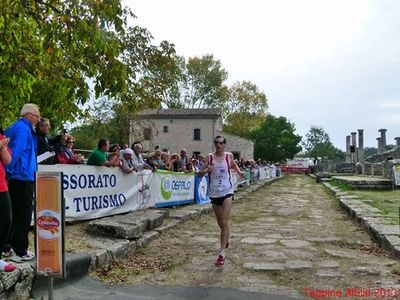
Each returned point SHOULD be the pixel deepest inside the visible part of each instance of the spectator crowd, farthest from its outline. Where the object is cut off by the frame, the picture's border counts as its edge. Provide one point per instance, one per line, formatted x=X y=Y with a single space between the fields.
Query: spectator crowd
x=26 y=143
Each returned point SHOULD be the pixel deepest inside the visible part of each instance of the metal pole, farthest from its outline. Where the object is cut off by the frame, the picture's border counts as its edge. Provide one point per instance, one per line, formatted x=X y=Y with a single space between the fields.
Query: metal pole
x=50 y=286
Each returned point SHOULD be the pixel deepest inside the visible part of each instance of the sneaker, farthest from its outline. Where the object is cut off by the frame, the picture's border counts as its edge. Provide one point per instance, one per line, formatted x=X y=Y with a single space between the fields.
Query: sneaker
x=220 y=261
x=7 y=253
x=28 y=256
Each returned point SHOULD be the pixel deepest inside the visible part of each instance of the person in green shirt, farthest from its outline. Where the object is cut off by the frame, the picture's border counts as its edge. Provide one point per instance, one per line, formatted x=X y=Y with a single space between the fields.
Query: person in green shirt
x=99 y=155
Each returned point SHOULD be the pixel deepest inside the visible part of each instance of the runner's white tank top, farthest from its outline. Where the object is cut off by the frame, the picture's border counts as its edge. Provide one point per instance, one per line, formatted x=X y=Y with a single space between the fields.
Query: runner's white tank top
x=220 y=179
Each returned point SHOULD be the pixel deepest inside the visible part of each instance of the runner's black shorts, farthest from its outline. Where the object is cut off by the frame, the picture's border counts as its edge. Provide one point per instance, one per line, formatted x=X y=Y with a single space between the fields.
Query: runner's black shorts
x=219 y=200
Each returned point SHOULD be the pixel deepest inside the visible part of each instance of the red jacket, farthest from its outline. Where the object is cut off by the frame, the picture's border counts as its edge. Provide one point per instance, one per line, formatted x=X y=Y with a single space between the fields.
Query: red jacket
x=3 y=182
x=65 y=158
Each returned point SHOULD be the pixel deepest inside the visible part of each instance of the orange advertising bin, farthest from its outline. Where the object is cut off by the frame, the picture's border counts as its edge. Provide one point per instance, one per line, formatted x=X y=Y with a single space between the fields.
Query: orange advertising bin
x=49 y=217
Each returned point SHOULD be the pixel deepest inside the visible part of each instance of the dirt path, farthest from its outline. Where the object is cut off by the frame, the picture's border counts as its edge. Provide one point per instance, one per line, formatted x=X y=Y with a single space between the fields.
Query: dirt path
x=285 y=237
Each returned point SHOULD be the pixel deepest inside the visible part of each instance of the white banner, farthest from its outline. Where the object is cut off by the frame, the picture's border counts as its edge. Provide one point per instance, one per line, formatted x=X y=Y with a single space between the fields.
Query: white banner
x=93 y=192
x=172 y=188
x=396 y=173
x=263 y=173
x=235 y=180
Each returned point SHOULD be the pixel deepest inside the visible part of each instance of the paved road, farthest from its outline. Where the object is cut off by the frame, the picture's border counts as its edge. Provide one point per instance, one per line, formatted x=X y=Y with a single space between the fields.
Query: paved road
x=289 y=238
x=91 y=289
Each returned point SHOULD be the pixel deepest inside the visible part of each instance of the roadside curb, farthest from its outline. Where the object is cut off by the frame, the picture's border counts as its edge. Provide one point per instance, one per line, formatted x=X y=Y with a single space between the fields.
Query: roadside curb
x=370 y=219
x=80 y=264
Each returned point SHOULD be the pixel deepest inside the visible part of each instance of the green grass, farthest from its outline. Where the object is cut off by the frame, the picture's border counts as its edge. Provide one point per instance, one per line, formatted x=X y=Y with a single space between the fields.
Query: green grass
x=388 y=202
x=341 y=185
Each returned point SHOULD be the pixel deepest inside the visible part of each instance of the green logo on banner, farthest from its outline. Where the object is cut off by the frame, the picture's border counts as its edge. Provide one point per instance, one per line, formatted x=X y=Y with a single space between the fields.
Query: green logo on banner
x=166 y=187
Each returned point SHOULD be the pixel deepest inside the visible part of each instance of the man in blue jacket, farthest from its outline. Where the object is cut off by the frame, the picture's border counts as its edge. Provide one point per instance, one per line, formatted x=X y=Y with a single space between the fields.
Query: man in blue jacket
x=21 y=178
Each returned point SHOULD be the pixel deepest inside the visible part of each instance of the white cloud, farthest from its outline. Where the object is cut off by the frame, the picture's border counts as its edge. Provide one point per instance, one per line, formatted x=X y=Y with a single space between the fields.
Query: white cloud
x=389 y=104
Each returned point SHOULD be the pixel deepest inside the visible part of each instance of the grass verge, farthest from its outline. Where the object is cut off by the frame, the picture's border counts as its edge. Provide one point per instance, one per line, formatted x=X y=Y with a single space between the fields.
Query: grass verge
x=388 y=202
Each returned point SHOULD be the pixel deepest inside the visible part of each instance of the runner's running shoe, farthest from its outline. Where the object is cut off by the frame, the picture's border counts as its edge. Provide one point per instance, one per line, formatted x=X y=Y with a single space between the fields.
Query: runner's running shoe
x=28 y=256
x=7 y=253
x=220 y=261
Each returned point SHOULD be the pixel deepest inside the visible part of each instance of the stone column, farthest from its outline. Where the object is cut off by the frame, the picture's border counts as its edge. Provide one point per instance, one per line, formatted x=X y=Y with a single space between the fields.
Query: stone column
x=348 y=154
x=354 y=143
x=397 y=141
x=383 y=139
x=379 y=145
x=360 y=145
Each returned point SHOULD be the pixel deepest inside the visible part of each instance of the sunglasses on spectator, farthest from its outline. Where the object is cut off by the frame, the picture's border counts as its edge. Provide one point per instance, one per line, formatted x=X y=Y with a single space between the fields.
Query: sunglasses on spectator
x=70 y=142
x=219 y=142
x=35 y=115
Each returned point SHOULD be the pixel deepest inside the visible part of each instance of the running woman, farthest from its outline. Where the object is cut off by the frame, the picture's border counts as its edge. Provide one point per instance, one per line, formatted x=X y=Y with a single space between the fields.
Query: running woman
x=218 y=165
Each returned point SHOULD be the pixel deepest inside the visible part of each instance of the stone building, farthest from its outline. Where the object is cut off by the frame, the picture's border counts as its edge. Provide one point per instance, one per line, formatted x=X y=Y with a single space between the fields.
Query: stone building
x=193 y=129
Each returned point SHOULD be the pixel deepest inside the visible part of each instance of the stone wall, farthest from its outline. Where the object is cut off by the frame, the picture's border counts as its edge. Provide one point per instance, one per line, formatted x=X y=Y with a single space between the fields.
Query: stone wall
x=391 y=154
x=367 y=168
x=383 y=169
x=180 y=134
x=335 y=167
x=176 y=131
x=377 y=169
x=241 y=146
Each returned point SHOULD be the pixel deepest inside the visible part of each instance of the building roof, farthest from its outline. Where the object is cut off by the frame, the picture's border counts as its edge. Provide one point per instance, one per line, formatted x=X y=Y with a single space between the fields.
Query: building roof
x=181 y=113
x=228 y=135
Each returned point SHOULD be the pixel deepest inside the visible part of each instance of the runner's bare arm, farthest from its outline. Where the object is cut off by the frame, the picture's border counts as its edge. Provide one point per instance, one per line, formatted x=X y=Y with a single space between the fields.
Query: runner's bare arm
x=204 y=169
x=235 y=166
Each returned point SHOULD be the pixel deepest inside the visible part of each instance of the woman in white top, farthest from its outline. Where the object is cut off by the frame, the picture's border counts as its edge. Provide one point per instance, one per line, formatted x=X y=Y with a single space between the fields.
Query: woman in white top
x=218 y=165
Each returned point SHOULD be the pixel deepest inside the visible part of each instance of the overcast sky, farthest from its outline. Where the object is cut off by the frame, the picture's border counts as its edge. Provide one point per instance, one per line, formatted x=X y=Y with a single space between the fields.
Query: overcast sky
x=329 y=63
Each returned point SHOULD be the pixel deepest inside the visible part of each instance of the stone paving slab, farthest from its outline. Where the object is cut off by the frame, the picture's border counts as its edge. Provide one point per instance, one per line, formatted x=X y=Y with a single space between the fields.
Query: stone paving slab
x=254 y=240
x=298 y=265
x=328 y=273
x=295 y=243
x=112 y=240
x=128 y=226
x=340 y=253
x=264 y=266
x=365 y=271
x=328 y=264
x=275 y=265
x=324 y=239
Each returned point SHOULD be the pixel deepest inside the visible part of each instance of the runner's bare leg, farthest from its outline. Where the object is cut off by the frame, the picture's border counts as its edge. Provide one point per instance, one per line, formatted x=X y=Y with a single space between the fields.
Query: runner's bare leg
x=222 y=213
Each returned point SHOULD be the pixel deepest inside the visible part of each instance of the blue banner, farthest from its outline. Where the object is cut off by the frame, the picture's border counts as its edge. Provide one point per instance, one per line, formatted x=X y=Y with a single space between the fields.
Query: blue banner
x=201 y=189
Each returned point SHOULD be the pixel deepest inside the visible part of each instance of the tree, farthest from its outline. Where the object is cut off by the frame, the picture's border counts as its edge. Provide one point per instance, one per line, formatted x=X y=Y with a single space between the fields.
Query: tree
x=154 y=72
x=105 y=119
x=245 y=108
x=318 y=144
x=49 y=49
x=368 y=151
x=275 y=139
x=203 y=82
x=59 y=54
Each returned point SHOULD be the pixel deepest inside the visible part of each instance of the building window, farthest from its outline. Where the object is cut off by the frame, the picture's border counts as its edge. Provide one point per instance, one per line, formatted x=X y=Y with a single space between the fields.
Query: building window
x=147 y=134
x=196 y=134
x=165 y=129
